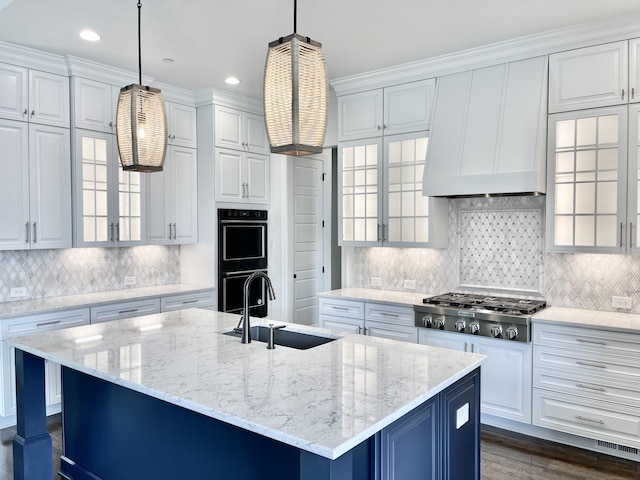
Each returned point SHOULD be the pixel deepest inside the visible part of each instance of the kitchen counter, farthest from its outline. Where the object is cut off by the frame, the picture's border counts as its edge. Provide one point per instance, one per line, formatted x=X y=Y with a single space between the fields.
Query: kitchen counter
x=325 y=400
x=52 y=304
x=612 y=321
x=373 y=295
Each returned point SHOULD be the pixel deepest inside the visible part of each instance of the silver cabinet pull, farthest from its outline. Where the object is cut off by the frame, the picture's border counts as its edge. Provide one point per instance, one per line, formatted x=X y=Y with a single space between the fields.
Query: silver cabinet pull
x=465 y=346
x=580 y=417
x=385 y=233
x=623 y=94
x=28 y=232
x=111 y=234
x=336 y=307
x=175 y=231
x=630 y=234
x=118 y=232
x=359 y=329
x=35 y=237
x=184 y=302
x=44 y=324
x=386 y=314
x=169 y=231
x=633 y=92
x=588 y=387
x=587 y=364
x=379 y=233
x=131 y=310
x=593 y=342
x=621 y=234
x=366 y=330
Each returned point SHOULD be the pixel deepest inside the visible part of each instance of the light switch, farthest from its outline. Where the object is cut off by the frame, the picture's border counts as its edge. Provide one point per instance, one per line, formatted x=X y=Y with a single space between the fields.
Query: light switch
x=462 y=415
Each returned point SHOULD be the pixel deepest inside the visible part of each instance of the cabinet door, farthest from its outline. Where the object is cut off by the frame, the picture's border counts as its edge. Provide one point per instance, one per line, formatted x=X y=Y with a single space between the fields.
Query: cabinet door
x=359 y=196
x=14 y=185
x=14 y=92
x=182 y=125
x=160 y=205
x=360 y=115
x=436 y=338
x=342 y=324
x=130 y=207
x=228 y=128
x=408 y=107
x=257 y=178
x=588 y=77
x=50 y=186
x=634 y=70
x=48 y=99
x=506 y=378
x=633 y=179
x=185 y=194
x=587 y=171
x=256 y=134
x=229 y=180
x=92 y=105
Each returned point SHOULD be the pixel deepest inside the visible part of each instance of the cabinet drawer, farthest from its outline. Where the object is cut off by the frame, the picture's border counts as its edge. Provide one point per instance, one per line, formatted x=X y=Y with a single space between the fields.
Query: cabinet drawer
x=579 y=362
x=587 y=339
x=588 y=418
x=342 y=308
x=390 y=313
x=391 y=331
x=587 y=385
x=117 y=311
x=187 y=300
x=342 y=324
x=42 y=322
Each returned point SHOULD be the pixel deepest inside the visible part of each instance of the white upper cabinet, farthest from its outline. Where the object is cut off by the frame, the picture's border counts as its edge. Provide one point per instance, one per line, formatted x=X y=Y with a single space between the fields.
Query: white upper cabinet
x=172 y=199
x=181 y=125
x=489 y=131
x=240 y=130
x=34 y=96
x=388 y=111
x=241 y=177
x=94 y=105
x=596 y=76
x=36 y=184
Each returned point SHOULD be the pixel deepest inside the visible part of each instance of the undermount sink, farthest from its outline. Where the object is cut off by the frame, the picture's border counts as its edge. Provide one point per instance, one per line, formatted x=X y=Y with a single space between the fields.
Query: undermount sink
x=284 y=337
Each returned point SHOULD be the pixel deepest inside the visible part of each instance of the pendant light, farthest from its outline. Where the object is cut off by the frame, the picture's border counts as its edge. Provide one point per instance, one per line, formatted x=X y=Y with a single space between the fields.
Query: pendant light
x=141 y=124
x=295 y=94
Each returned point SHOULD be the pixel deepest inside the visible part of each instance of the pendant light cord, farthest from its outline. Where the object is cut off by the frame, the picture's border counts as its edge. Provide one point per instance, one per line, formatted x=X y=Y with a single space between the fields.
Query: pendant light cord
x=295 y=16
x=139 y=47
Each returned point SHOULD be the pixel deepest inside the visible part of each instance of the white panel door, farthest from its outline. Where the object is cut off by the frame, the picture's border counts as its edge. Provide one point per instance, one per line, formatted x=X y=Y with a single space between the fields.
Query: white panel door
x=14 y=92
x=449 y=340
x=360 y=115
x=14 y=185
x=182 y=125
x=308 y=253
x=256 y=178
x=93 y=105
x=228 y=128
x=50 y=186
x=185 y=179
x=159 y=205
x=408 y=107
x=634 y=70
x=229 y=179
x=48 y=99
x=256 y=134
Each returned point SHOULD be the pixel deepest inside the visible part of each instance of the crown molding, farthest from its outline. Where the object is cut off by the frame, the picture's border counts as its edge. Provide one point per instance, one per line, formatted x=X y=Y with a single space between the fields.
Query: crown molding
x=520 y=48
x=210 y=96
x=176 y=94
x=29 y=58
x=81 y=67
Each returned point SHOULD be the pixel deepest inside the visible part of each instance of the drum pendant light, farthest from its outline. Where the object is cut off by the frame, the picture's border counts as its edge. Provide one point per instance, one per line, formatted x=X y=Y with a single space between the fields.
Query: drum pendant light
x=141 y=124
x=295 y=94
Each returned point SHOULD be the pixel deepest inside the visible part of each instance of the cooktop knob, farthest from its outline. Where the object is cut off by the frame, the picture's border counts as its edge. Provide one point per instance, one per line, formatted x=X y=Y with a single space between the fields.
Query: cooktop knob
x=512 y=332
x=474 y=327
x=459 y=326
x=440 y=321
x=427 y=321
x=496 y=331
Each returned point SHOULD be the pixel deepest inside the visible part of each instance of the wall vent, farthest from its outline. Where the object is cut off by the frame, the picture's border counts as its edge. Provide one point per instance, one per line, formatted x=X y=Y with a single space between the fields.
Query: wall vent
x=621 y=448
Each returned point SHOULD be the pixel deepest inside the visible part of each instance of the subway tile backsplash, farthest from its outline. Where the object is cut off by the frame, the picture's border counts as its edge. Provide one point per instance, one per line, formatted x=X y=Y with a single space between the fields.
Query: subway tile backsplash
x=496 y=245
x=49 y=273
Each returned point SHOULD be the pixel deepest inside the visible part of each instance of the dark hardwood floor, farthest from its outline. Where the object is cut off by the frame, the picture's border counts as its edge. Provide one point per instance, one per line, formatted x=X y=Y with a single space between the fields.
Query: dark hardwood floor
x=505 y=456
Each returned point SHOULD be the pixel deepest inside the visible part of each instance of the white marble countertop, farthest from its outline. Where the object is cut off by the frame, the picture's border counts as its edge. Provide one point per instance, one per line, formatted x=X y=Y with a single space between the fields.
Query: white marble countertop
x=373 y=295
x=325 y=400
x=52 y=304
x=578 y=317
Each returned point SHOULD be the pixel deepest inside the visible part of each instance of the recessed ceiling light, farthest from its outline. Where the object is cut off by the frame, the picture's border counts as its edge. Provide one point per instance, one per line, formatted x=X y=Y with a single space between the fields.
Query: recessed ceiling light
x=232 y=81
x=89 y=35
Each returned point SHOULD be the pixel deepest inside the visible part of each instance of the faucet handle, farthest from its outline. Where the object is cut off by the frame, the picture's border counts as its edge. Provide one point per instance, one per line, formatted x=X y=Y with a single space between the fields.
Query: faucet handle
x=272 y=330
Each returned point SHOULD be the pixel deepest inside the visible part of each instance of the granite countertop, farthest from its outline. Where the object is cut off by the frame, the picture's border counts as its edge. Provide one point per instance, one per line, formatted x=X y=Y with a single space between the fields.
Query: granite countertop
x=373 y=295
x=52 y=304
x=578 y=317
x=325 y=400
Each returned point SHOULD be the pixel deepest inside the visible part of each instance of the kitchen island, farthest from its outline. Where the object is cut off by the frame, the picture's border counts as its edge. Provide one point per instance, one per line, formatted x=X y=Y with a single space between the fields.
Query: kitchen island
x=171 y=396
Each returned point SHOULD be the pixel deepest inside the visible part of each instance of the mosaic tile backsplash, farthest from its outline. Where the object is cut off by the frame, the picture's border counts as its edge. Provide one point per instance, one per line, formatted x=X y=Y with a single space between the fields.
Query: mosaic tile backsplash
x=49 y=273
x=496 y=245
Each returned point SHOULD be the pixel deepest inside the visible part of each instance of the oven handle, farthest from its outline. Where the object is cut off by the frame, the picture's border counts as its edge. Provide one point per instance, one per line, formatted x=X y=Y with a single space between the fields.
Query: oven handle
x=242 y=272
x=247 y=222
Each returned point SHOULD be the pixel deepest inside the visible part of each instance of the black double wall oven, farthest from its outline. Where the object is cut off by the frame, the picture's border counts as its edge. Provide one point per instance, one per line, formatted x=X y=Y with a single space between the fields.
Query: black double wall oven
x=242 y=250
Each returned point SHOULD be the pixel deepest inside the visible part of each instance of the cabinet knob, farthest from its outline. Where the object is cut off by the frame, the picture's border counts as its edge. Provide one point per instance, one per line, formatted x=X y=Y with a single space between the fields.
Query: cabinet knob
x=379 y=127
x=110 y=124
x=33 y=112
x=25 y=111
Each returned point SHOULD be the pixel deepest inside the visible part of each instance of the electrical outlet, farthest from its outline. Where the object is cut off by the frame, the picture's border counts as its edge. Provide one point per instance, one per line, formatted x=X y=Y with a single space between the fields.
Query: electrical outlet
x=375 y=281
x=129 y=281
x=17 y=292
x=621 y=302
x=410 y=284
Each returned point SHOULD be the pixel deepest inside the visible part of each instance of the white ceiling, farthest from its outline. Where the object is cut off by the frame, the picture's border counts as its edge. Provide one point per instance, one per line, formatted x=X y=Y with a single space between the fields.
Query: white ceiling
x=212 y=39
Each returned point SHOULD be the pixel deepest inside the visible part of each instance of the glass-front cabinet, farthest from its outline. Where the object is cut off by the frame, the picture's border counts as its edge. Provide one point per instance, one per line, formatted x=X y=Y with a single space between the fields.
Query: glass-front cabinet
x=592 y=203
x=381 y=202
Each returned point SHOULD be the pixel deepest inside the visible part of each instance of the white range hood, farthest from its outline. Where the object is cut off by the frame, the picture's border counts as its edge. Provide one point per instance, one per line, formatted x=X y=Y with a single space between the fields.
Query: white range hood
x=488 y=133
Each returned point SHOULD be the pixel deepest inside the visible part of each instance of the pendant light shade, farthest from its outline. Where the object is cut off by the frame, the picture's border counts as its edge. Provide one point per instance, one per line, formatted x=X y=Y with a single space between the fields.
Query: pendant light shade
x=295 y=95
x=141 y=124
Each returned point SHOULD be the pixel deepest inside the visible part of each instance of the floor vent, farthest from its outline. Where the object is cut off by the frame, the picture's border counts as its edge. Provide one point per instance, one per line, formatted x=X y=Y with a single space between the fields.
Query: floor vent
x=621 y=448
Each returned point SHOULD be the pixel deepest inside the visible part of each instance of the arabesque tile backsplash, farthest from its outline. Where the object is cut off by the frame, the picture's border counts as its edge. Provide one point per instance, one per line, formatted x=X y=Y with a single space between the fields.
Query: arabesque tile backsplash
x=49 y=273
x=496 y=245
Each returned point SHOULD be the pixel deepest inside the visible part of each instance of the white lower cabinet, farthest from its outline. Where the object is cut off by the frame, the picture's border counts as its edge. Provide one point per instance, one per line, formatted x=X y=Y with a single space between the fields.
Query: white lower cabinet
x=505 y=375
x=120 y=310
x=28 y=324
x=374 y=319
x=179 y=301
x=586 y=382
